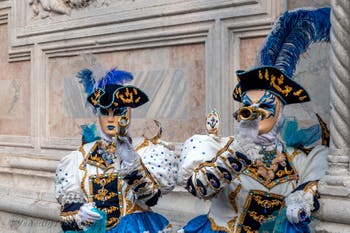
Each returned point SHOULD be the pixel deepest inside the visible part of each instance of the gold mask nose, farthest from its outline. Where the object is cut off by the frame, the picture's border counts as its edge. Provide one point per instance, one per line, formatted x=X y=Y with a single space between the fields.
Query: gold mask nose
x=249 y=113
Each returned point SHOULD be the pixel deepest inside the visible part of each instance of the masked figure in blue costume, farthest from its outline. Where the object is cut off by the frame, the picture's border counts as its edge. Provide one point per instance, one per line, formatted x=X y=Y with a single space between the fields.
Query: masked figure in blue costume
x=110 y=183
x=256 y=182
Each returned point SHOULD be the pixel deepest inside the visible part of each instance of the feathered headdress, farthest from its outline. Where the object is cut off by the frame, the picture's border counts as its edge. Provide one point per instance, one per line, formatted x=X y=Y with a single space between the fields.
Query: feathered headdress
x=291 y=36
x=109 y=91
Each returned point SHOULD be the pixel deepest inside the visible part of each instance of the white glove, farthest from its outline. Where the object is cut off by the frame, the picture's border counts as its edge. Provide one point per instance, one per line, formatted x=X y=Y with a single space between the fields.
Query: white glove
x=125 y=150
x=297 y=213
x=299 y=205
x=87 y=215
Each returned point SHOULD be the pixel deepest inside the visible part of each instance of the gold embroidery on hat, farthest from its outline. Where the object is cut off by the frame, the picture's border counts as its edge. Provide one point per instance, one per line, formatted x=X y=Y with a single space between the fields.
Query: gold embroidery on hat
x=280 y=80
x=302 y=98
x=287 y=89
x=127 y=97
x=298 y=93
x=267 y=77
x=237 y=92
x=260 y=75
x=94 y=99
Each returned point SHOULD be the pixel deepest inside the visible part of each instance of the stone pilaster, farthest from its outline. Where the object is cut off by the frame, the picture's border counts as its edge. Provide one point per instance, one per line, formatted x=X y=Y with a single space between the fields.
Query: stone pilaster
x=335 y=187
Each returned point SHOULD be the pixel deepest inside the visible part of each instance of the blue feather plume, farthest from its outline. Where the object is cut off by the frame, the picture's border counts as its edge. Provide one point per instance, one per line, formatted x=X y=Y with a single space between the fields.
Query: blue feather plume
x=89 y=133
x=295 y=137
x=292 y=34
x=85 y=77
x=115 y=76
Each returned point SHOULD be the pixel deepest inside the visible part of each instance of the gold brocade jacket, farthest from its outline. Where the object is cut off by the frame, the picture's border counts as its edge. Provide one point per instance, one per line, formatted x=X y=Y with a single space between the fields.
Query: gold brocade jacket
x=245 y=192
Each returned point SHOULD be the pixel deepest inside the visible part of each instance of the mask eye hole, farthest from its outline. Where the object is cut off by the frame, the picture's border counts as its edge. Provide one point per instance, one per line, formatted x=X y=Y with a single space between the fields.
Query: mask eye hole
x=104 y=112
x=264 y=106
x=120 y=111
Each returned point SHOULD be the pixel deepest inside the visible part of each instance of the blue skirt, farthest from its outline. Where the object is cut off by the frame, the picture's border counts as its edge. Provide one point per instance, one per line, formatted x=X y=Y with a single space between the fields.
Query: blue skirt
x=200 y=224
x=140 y=222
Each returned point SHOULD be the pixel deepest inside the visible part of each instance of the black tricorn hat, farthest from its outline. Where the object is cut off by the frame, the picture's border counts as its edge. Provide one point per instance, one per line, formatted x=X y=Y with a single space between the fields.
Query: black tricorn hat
x=271 y=79
x=116 y=96
x=109 y=91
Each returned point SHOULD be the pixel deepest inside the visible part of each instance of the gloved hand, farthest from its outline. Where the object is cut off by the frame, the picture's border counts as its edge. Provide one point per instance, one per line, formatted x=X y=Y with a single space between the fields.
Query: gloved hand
x=125 y=150
x=87 y=215
x=296 y=213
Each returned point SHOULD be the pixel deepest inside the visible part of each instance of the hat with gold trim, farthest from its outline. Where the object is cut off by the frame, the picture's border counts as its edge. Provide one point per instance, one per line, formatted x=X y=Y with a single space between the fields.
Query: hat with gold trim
x=291 y=36
x=110 y=91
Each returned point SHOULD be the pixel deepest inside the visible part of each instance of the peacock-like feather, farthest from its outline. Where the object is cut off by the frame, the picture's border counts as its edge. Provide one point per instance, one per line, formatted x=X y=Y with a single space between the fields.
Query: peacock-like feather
x=291 y=35
x=89 y=133
x=115 y=76
x=86 y=78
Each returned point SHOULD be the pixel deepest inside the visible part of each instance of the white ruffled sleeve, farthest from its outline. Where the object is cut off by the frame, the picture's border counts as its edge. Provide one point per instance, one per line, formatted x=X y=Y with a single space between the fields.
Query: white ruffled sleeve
x=67 y=187
x=196 y=150
x=161 y=163
x=312 y=166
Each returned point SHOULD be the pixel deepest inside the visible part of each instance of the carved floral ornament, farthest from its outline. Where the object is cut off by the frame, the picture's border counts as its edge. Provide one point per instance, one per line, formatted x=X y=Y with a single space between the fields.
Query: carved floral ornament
x=45 y=8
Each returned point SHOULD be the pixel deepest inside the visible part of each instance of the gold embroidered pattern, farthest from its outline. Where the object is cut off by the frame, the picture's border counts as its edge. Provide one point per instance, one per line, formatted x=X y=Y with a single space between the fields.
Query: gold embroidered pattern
x=82 y=167
x=104 y=180
x=293 y=155
x=127 y=96
x=287 y=89
x=248 y=229
x=258 y=208
x=106 y=192
x=238 y=91
x=110 y=210
x=298 y=93
x=225 y=148
x=312 y=187
x=283 y=172
x=142 y=145
x=232 y=223
x=94 y=99
x=104 y=195
x=112 y=222
x=132 y=208
x=267 y=203
x=233 y=196
x=280 y=170
x=260 y=218
x=65 y=214
x=204 y=164
x=120 y=195
x=147 y=174
x=96 y=159
x=216 y=227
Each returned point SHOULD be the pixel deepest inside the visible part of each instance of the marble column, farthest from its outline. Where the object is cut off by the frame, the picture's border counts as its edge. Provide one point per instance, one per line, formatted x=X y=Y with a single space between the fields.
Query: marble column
x=335 y=187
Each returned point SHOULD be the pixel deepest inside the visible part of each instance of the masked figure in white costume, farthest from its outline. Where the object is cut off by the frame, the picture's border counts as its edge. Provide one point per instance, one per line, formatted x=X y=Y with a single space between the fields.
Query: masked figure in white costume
x=255 y=182
x=110 y=183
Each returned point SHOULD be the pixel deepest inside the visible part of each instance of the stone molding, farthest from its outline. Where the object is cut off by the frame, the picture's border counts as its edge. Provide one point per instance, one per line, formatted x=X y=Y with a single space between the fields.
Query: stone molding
x=335 y=187
x=46 y=8
x=220 y=25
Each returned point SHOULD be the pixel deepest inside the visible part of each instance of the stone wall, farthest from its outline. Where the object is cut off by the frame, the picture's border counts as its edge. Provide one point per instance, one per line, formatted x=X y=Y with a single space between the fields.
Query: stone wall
x=183 y=53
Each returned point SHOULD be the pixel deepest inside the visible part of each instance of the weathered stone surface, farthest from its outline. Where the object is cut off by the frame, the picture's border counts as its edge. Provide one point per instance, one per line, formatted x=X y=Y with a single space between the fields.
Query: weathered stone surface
x=182 y=53
x=14 y=92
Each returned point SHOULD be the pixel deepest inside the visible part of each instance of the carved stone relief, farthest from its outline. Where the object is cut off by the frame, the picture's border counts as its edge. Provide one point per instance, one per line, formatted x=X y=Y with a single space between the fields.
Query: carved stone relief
x=46 y=8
